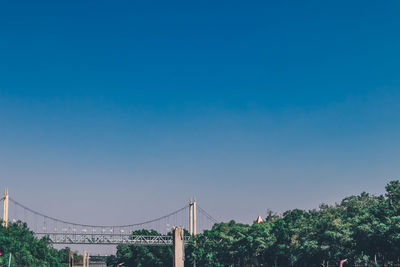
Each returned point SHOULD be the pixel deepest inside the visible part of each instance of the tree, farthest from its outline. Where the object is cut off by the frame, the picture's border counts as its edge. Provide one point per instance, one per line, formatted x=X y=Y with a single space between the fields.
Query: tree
x=149 y=256
x=27 y=250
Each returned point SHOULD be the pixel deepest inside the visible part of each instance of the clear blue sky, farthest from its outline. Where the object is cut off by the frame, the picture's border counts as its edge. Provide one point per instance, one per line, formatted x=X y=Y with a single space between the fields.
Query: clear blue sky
x=134 y=106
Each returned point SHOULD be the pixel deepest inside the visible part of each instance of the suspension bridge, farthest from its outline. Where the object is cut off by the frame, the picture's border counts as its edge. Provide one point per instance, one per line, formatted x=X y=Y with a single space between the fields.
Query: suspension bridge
x=59 y=231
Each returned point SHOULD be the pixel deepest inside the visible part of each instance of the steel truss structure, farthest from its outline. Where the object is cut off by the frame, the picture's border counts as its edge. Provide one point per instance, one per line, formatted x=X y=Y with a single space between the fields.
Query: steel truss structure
x=109 y=239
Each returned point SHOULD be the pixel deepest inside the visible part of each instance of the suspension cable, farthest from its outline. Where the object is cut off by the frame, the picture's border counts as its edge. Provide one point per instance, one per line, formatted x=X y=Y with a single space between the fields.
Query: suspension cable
x=211 y=218
x=99 y=226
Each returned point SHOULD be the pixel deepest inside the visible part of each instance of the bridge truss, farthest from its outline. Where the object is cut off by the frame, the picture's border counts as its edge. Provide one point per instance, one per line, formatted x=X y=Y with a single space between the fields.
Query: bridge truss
x=109 y=239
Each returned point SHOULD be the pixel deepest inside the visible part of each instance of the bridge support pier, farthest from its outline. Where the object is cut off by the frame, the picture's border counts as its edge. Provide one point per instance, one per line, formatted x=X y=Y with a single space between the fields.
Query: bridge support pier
x=85 y=260
x=179 y=247
x=71 y=259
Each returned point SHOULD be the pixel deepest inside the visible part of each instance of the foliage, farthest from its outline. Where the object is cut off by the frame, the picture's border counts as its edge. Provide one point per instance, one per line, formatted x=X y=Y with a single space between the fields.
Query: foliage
x=365 y=229
x=149 y=256
x=27 y=250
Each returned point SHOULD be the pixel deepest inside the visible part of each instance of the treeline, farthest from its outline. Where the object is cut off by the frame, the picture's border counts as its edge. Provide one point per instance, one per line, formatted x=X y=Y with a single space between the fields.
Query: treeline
x=27 y=250
x=365 y=229
x=141 y=256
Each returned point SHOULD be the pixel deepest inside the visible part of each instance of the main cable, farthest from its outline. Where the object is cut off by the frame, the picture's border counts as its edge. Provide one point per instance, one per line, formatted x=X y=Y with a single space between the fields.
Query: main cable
x=96 y=226
x=211 y=218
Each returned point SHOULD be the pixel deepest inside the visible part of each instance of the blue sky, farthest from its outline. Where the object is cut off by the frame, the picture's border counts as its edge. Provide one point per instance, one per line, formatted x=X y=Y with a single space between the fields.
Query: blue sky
x=248 y=105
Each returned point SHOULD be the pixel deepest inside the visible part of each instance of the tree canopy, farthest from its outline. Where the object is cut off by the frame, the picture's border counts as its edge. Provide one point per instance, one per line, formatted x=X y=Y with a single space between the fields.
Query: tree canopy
x=365 y=229
x=27 y=250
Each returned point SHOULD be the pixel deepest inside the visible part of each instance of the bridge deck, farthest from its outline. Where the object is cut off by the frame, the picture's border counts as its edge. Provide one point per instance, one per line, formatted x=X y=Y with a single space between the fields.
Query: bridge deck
x=108 y=239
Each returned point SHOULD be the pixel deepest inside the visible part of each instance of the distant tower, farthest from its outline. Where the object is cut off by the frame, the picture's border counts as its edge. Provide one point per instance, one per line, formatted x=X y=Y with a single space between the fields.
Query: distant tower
x=5 y=209
x=259 y=219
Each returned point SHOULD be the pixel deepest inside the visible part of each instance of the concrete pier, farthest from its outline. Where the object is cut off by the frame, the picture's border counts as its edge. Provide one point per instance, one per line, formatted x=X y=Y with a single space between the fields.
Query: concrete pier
x=179 y=247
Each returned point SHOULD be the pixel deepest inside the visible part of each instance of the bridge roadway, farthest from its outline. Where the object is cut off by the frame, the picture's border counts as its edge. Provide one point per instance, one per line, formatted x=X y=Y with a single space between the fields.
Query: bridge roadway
x=109 y=239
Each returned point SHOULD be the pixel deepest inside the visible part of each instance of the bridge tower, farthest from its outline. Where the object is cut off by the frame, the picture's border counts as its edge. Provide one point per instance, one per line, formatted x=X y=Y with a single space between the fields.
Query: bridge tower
x=192 y=217
x=5 y=209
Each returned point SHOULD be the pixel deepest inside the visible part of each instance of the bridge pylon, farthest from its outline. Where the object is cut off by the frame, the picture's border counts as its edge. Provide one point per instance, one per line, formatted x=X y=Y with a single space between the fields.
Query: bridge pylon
x=193 y=217
x=5 y=208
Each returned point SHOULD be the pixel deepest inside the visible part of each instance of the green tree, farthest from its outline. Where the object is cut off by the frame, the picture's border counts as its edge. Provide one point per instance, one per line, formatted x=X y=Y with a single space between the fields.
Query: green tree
x=26 y=250
x=149 y=256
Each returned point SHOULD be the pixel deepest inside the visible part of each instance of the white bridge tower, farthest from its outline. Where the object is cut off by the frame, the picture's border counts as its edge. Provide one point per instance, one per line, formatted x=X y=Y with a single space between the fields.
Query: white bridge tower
x=5 y=209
